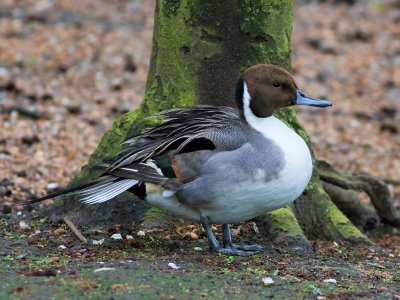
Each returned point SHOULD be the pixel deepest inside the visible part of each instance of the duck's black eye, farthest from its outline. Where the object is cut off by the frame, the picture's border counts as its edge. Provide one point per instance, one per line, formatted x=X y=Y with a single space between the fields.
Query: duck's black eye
x=276 y=84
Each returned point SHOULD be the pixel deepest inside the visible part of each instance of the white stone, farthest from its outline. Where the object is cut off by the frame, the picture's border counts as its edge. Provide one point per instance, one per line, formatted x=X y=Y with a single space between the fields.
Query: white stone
x=103 y=269
x=330 y=280
x=116 y=236
x=255 y=228
x=52 y=185
x=267 y=280
x=173 y=266
x=3 y=72
x=23 y=225
x=98 y=242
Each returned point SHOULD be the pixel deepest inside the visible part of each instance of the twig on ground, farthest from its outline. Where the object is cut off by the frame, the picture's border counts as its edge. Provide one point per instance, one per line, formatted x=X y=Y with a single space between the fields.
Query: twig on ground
x=75 y=230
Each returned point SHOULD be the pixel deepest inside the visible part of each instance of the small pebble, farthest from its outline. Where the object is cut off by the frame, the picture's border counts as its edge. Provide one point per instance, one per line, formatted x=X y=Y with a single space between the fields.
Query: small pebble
x=198 y=249
x=330 y=280
x=116 y=236
x=62 y=247
x=267 y=281
x=173 y=266
x=116 y=83
x=355 y=123
x=23 y=225
x=103 y=269
x=141 y=233
x=255 y=228
x=19 y=213
x=52 y=185
x=129 y=237
x=98 y=242
x=3 y=72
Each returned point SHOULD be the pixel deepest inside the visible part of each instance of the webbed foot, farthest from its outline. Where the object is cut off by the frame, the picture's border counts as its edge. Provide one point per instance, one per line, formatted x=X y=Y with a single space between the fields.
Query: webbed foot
x=229 y=248
x=241 y=250
x=251 y=248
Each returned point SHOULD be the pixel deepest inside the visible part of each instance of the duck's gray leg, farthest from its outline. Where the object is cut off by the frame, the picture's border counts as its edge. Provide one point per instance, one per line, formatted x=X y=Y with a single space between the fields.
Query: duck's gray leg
x=214 y=245
x=226 y=235
x=227 y=241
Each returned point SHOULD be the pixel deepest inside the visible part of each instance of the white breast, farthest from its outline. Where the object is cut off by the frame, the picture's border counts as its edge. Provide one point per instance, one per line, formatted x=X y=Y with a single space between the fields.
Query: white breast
x=297 y=171
x=293 y=179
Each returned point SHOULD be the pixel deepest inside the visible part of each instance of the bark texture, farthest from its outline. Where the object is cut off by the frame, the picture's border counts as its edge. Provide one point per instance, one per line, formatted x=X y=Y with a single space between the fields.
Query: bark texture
x=199 y=50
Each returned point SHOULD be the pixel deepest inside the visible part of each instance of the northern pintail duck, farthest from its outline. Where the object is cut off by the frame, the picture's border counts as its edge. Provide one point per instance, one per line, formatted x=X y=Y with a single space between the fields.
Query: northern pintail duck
x=216 y=164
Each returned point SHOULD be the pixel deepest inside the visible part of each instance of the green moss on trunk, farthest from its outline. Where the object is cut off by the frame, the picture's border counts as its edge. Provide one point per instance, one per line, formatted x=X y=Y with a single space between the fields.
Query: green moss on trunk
x=320 y=217
x=284 y=229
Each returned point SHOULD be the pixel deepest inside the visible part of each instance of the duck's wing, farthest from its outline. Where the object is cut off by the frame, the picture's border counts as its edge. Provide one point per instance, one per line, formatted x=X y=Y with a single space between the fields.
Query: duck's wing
x=185 y=130
x=174 y=151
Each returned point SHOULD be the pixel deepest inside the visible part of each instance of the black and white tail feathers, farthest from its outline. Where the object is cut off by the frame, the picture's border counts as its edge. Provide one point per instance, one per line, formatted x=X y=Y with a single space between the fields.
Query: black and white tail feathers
x=116 y=181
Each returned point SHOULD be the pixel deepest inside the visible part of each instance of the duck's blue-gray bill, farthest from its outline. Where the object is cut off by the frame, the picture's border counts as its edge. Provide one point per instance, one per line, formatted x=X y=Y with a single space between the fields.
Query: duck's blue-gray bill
x=303 y=99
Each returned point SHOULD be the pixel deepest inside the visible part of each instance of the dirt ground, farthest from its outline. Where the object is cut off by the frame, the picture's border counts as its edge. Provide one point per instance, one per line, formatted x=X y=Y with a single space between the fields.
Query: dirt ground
x=46 y=261
x=68 y=68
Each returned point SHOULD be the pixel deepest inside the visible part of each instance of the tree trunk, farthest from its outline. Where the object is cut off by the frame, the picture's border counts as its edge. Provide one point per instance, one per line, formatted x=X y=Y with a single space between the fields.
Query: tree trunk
x=199 y=50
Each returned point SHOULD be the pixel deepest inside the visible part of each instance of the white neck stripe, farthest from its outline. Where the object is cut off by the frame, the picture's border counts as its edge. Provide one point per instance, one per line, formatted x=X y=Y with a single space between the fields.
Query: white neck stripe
x=254 y=121
x=246 y=99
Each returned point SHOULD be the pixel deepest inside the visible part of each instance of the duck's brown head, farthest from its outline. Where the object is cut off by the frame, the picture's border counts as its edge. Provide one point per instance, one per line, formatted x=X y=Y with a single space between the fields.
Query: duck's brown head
x=264 y=88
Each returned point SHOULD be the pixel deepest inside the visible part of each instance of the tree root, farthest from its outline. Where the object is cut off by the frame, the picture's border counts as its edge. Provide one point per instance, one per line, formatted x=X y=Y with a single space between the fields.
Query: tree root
x=376 y=189
x=348 y=202
x=284 y=229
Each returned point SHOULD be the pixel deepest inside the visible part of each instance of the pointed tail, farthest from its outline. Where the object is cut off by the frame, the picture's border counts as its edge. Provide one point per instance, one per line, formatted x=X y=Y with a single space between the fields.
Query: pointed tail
x=100 y=190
